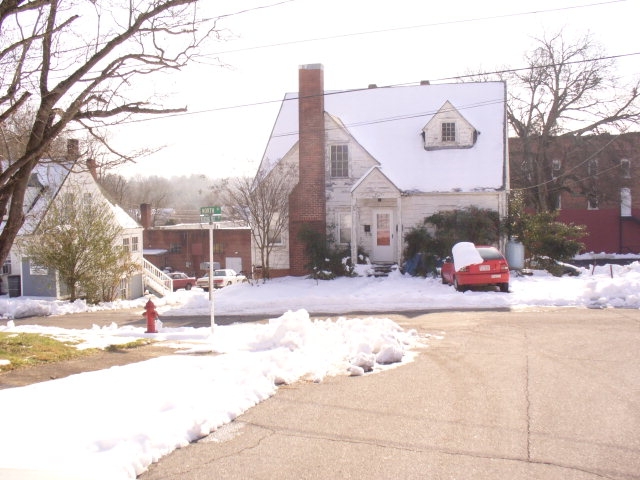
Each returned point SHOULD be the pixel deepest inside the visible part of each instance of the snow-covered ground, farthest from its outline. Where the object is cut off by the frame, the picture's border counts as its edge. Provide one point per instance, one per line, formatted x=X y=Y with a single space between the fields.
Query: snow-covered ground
x=112 y=424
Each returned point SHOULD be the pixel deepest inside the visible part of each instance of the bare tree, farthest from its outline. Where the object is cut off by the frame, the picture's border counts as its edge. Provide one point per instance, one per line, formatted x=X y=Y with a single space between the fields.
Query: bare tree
x=71 y=61
x=263 y=203
x=567 y=90
x=116 y=187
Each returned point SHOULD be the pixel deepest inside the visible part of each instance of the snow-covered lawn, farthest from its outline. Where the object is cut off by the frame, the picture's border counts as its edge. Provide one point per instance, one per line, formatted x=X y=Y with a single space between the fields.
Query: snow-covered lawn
x=610 y=285
x=113 y=423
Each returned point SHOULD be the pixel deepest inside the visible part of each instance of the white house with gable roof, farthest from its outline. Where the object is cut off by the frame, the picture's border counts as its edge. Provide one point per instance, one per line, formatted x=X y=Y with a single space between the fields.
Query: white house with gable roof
x=383 y=159
x=50 y=181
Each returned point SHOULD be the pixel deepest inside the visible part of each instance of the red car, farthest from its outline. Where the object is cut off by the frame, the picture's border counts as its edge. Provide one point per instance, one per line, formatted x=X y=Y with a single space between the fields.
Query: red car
x=473 y=266
x=182 y=280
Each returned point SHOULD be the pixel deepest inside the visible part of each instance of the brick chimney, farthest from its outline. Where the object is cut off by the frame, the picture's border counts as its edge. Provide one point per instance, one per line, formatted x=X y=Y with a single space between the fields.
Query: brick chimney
x=145 y=215
x=307 y=202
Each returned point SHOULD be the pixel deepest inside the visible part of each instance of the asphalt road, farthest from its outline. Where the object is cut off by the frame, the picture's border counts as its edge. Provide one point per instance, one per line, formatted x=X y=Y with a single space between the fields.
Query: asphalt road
x=534 y=394
x=547 y=394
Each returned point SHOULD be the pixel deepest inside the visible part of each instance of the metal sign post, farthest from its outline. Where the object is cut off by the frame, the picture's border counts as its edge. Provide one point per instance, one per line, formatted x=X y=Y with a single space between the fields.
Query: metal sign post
x=214 y=214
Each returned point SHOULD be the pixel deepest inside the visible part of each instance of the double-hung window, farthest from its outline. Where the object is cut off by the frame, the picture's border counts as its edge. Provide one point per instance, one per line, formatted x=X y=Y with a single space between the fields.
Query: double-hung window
x=625 y=168
x=339 y=161
x=448 y=131
x=344 y=228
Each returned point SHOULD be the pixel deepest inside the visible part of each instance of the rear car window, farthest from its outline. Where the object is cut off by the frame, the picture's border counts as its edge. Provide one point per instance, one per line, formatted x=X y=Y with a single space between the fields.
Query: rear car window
x=489 y=253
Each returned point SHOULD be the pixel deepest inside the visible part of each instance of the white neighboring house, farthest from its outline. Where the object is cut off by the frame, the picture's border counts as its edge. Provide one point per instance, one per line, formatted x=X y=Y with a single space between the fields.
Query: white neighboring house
x=380 y=160
x=48 y=182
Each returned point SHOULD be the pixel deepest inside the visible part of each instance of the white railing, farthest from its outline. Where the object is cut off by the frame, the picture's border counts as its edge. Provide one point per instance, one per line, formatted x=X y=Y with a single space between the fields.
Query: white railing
x=156 y=279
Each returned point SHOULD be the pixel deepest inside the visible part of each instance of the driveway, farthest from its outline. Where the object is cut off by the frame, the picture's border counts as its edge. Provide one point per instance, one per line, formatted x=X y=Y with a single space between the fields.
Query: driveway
x=547 y=394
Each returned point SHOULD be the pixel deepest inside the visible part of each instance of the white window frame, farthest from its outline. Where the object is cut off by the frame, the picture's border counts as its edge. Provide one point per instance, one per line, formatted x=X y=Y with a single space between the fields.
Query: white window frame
x=339 y=161
x=448 y=132
x=277 y=241
x=555 y=168
x=343 y=228
x=625 y=168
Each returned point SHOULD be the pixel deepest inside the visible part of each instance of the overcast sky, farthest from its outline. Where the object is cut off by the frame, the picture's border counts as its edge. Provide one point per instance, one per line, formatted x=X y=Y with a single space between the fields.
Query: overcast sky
x=232 y=109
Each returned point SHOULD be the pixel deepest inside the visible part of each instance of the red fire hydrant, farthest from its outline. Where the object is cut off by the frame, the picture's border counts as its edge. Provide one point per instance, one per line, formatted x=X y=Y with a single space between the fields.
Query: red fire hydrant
x=152 y=315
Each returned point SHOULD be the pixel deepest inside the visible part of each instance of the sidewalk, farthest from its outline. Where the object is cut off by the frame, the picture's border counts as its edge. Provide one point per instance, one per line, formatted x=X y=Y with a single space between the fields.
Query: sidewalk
x=504 y=395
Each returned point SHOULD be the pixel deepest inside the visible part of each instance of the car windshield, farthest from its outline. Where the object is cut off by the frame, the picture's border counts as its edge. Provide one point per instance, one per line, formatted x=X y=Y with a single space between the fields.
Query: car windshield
x=220 y=273
x=489 y=253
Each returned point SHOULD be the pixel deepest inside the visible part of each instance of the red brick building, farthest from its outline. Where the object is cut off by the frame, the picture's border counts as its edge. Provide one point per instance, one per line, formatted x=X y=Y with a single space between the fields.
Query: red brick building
x=185 y=247
x=594 y=181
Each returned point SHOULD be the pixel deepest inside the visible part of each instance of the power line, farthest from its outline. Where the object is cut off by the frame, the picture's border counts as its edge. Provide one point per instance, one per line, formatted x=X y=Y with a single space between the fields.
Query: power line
x=411 y=27
x=442 y=79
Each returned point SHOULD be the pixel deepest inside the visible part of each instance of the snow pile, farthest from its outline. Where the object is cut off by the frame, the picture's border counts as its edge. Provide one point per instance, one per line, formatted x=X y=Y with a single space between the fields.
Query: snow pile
x=112 y=424
x=465 y=254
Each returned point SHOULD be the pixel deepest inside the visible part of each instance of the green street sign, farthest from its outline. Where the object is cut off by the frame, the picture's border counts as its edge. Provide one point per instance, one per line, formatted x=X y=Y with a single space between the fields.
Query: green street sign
x=210 y=210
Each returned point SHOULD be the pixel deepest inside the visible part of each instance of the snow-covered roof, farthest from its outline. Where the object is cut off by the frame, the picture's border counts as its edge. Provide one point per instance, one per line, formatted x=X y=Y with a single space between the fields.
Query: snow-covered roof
x=44 y=184
x=388 y=123
x=122 y=217
x=154 y=251
x=46 y=181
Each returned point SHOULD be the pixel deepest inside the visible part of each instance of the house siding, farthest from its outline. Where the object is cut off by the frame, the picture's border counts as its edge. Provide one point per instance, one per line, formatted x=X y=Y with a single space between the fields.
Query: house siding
x=338 y=190
x=417 y=207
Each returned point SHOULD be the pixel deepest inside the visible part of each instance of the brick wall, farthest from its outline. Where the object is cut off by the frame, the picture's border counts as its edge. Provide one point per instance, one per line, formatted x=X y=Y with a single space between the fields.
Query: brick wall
x=191 y=248
x=307 y=202
x=607 y=230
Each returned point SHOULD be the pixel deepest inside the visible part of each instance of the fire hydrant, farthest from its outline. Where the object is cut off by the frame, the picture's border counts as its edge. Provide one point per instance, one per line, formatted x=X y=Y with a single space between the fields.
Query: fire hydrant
x=152 y=315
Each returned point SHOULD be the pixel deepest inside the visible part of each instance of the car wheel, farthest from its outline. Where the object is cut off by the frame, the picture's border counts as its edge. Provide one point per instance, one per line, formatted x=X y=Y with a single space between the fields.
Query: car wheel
x=228 y=283
x=504 y=287
x=187 y=286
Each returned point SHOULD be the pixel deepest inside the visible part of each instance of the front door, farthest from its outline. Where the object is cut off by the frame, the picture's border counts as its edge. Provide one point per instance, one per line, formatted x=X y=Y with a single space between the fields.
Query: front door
x=383 y=237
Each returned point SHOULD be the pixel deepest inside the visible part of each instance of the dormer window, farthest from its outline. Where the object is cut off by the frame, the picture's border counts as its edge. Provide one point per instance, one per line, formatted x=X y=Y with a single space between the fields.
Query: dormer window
x=448 y=131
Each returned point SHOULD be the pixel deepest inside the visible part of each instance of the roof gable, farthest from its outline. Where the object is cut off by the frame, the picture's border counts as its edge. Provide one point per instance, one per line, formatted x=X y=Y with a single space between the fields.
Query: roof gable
x=374 y=184
x=448 y=129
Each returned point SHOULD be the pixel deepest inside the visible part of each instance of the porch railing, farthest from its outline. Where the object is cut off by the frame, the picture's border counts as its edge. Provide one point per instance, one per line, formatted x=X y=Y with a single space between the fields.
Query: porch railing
x=155 y=279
